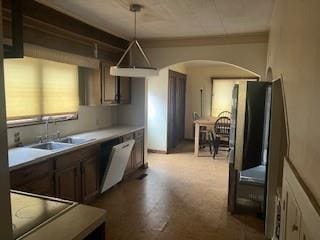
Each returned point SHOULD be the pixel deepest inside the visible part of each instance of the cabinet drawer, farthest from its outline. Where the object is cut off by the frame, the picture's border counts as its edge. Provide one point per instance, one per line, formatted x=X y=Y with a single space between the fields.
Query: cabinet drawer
x=139 y=134
x=42 y=185
x=28 y=173
x=127 y=137
x=75 y=157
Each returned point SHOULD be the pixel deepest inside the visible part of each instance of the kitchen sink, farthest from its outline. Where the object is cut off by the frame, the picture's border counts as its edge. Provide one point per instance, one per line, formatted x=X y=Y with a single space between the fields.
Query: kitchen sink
x=51 y=145
x=73 y=140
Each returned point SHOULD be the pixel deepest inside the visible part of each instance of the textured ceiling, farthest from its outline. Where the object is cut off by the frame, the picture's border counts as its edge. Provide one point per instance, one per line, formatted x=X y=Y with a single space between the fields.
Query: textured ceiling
x=171 y=18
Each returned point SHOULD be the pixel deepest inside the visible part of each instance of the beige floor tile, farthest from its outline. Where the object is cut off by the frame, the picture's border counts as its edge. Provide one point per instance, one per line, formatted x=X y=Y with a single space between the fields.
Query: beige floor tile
x=182 y=198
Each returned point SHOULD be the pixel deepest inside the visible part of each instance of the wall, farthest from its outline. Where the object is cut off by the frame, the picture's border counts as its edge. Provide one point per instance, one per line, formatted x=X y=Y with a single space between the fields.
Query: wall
x=250 y=56
x=134 y=113
x=294 y=54
x=90 y=118
x=200 y=77
x=158 y=107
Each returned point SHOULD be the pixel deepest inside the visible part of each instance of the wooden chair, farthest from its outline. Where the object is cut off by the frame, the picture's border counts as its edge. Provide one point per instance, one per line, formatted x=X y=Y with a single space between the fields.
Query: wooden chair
x=225 y=114
x=222 y=130
x=214 y=143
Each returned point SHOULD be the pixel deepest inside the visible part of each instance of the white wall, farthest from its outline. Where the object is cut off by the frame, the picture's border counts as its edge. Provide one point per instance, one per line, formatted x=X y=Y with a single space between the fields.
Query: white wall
x=90 y=118
x=251 y=56
x=294 y=54
x=200 y=77
x=158 y=107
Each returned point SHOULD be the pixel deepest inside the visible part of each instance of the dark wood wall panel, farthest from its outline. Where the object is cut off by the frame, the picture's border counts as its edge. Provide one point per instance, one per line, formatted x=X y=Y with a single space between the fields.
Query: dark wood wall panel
x=49 y=28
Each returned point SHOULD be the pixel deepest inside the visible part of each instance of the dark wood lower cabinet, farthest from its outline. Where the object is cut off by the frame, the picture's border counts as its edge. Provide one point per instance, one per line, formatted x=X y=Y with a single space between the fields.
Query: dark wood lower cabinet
x=75 y=175
x=138 y=152
x=137 y=156
x=90 y=178
x=80 y=181
x=68 y=184
x=41 y=185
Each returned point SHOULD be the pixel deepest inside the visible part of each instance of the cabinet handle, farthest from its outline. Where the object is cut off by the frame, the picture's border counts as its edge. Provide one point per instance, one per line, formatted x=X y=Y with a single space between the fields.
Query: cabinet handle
x=295 y=228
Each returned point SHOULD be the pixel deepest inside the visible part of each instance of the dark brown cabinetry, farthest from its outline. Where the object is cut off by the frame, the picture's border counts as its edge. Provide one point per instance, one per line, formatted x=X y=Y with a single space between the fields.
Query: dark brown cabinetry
x=36 y=178
x=129 y=167
x=75 y=175
x=90 y=178
x=98 y=87
x=137 y=156
x=138 y=150
x=68 y=185
x=115 y=90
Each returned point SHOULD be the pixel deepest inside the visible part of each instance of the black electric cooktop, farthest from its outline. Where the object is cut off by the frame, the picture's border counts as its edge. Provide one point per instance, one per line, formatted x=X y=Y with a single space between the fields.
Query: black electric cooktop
x=30 y=212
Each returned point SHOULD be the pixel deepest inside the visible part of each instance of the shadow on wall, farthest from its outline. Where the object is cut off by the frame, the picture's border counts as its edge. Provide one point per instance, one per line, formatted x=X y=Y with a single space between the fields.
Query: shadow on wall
x=199 y=75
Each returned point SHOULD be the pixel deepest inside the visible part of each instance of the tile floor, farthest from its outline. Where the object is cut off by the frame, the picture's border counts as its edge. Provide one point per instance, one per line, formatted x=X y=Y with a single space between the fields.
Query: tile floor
x=181 y=198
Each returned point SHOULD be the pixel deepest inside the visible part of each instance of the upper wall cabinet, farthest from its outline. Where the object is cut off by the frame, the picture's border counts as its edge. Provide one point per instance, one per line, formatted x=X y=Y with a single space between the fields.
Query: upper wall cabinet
x=98 y=87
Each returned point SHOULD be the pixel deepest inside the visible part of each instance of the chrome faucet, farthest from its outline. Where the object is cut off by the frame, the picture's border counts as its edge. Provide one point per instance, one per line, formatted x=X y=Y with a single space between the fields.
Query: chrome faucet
x=46 y=137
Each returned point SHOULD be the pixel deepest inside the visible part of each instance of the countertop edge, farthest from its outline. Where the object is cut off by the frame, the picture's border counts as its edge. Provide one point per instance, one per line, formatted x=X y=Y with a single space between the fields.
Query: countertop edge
x=79 y=146
x=71 y=225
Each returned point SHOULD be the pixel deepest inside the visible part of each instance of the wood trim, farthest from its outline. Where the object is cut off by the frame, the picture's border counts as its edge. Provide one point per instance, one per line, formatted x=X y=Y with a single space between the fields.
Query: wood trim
x=310 y=209
x=157 y=151
x=15 y=50
x=45 y=14
x=260 y=37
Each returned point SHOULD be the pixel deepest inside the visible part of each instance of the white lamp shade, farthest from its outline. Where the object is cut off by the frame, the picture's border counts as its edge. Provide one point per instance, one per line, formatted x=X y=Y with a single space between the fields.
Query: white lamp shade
x=133 y=72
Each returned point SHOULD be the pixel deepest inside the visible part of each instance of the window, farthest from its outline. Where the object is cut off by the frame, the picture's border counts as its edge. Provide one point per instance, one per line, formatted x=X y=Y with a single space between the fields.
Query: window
x=37 y=88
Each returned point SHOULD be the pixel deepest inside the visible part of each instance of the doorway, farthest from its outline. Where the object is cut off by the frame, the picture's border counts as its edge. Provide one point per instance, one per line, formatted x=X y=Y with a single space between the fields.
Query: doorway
x=176 y=108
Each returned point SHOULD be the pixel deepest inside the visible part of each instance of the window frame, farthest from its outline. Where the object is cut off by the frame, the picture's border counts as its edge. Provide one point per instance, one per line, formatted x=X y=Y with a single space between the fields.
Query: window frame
x=41 y=120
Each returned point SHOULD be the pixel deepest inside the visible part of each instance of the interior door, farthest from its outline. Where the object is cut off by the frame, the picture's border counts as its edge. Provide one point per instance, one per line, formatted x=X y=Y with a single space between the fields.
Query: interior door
x=180 y=108
x=171 y=112
x=176 y=108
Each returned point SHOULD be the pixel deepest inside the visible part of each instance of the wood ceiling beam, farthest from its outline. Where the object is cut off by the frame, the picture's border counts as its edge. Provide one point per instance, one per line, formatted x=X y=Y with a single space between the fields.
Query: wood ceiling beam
x=261 y=37
x=39 y=12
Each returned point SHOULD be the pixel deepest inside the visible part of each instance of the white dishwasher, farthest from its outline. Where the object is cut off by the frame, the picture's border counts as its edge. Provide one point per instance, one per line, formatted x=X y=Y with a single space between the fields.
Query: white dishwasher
x=116 y=165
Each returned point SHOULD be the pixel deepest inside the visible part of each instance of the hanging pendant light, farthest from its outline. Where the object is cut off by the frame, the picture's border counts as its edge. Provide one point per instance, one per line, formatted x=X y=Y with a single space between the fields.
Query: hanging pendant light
x=134 y=71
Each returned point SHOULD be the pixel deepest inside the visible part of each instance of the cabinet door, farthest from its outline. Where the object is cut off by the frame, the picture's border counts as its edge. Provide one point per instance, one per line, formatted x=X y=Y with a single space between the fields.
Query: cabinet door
x=124 y=86
x=68 y=184
x=43 y=185
x=138 y=153
x=129 y=166
x=90 y=178
x=292 y=217
x=108 y=83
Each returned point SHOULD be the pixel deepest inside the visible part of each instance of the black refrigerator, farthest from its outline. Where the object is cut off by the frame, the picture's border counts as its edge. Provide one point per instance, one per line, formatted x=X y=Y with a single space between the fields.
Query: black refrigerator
x=249 y=137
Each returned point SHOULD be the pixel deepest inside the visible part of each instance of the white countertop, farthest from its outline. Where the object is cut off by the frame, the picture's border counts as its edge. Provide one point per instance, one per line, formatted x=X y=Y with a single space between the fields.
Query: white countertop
x=22 y=156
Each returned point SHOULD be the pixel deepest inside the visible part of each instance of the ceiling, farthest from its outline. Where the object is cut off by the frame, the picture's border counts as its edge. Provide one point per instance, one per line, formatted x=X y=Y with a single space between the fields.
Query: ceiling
x=171 y=18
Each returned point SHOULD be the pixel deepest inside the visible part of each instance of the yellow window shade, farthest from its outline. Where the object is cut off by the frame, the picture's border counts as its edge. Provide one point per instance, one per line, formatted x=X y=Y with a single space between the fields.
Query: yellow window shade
x=37 y=87
x=22 y=88
x=60 y=88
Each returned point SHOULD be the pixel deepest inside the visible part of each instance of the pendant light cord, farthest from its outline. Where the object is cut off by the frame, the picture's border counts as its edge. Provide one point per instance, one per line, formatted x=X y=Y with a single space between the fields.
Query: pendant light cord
x=135 y=25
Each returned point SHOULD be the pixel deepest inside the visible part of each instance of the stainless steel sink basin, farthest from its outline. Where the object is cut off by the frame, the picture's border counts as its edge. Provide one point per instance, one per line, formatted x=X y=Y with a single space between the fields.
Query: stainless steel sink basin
x=51 y=145
x=73 y=140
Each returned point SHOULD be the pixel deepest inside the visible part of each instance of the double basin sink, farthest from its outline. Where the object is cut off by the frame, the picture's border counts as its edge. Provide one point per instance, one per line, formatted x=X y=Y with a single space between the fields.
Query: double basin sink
x=61 y=143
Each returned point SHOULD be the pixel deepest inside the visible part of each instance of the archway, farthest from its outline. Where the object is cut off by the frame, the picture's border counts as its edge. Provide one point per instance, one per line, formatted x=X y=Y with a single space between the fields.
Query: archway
x=199 y=76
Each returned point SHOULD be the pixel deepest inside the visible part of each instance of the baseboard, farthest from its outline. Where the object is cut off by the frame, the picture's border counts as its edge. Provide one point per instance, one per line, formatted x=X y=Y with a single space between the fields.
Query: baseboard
x=157 y=151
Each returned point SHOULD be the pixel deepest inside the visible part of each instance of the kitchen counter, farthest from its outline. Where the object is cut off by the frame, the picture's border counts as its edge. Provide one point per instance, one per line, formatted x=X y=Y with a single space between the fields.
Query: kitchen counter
x=40 y=217
x=23 y=156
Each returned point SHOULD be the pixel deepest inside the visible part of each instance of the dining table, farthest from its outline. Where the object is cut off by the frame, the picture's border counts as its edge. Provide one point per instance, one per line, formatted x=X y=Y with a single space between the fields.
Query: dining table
x=205 y=122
